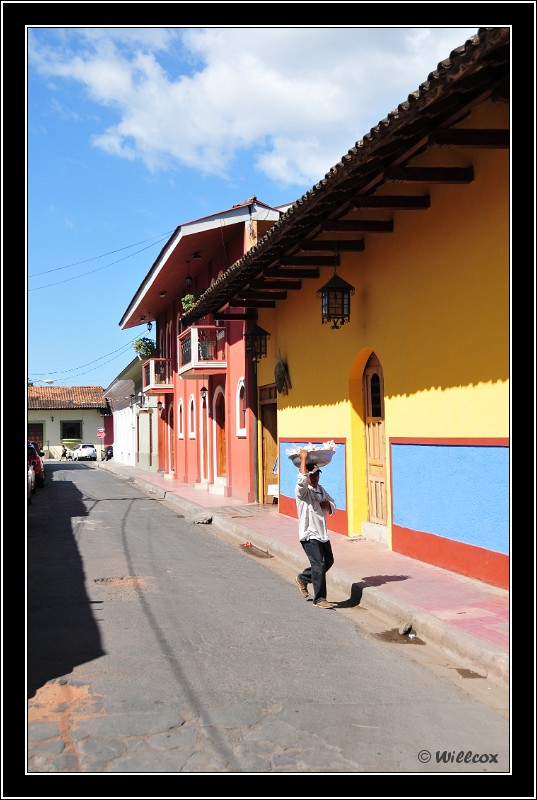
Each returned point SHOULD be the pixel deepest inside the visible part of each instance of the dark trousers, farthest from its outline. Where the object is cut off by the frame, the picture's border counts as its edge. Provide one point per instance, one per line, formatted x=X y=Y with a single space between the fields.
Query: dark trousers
x=321 y=559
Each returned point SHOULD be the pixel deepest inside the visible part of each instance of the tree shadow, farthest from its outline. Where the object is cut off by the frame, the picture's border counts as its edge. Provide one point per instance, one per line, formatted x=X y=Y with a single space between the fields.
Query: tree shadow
x=371 y=580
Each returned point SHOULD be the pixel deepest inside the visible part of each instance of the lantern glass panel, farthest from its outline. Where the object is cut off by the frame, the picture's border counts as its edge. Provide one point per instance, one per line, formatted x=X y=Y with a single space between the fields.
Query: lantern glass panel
x=336 y=304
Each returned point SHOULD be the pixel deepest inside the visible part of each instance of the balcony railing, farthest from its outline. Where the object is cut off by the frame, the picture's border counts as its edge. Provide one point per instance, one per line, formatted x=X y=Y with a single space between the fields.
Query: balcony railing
x=202 y=351
x=157 y=374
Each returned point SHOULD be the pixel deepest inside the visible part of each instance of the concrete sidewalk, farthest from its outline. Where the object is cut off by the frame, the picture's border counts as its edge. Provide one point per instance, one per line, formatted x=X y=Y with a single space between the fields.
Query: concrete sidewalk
x=467 y=619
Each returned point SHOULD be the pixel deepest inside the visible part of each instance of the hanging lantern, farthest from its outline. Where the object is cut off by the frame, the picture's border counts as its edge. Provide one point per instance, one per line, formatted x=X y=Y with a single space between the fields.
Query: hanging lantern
x=188 y=279
x=256 y=343
x=335 y=301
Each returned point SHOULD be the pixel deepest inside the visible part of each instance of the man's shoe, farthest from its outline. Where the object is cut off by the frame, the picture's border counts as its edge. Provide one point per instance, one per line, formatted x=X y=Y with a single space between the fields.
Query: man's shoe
x=302 y=587
x=324 y=604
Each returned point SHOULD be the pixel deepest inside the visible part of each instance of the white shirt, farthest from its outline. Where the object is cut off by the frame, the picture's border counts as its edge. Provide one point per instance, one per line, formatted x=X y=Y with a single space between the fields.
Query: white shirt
x=311 y=517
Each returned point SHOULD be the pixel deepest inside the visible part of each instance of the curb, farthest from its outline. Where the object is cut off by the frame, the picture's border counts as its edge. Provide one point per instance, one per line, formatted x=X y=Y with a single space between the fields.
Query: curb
x=459 y=645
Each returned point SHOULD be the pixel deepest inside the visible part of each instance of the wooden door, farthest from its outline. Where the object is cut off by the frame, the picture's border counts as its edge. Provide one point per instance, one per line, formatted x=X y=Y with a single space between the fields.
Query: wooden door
x=373 y=388
x=150 y=419
x=204 y=442
x=171 y=434
x=35 y=433
x=220 y=425
x=269 y=443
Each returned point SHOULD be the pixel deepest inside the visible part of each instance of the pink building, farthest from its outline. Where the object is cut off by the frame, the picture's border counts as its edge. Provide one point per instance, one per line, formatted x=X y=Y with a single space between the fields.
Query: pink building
x=202 y=375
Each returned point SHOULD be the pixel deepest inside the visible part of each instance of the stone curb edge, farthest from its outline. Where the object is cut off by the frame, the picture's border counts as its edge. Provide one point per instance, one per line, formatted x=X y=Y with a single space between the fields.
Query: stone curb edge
x=460 y=644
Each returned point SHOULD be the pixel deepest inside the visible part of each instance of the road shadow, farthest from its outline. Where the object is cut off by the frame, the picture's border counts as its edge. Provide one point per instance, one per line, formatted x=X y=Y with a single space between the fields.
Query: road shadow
x=61 y=628
x=371 y=580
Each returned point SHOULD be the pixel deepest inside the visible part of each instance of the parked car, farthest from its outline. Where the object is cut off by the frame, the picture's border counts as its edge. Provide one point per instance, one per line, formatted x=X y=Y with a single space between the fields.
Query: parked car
x=31 y=482
x=108 y=452
x=85 y=452
x=35 y=458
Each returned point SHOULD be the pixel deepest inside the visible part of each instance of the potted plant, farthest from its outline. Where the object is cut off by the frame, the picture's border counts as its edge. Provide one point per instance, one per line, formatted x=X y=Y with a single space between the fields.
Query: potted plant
x=144 y=347
x=188 y=301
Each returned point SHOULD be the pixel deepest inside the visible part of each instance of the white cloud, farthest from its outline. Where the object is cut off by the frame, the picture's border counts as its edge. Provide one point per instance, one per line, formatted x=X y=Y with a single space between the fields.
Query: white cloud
x=294 y=99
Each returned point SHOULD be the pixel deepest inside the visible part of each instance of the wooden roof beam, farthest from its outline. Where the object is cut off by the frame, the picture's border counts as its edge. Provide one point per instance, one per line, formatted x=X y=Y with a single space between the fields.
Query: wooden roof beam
x=283 y=284
x=309 y=261
x=356 y=225
x=226 y=315
x=242 y=302
x=254 y=294
x=429 y=174
x=495 y=138
x=400 y=203
x=277 y=272
x=343 y=245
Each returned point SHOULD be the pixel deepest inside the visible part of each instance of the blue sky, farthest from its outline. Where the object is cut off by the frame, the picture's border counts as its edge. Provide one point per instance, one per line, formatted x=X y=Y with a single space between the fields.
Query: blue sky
x=133 y=131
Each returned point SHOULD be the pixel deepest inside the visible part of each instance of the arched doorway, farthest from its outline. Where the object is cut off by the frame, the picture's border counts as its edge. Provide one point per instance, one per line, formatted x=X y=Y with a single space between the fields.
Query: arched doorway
x=268 y=413
x=219 y=455
x=204 y=441
x=373 y=393
x=220 y=425
x=171 y=425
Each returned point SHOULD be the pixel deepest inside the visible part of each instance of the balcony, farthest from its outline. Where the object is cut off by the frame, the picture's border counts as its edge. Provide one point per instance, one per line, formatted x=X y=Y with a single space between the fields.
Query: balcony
x=157 y=376
x=202 y=352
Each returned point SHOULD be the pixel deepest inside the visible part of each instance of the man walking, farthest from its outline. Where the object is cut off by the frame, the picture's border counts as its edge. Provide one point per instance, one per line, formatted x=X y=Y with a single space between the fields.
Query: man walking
x=313 y=503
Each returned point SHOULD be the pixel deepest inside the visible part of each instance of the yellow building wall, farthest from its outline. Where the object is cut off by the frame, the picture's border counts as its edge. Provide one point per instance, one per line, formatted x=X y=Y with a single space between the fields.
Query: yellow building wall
x=432 y=301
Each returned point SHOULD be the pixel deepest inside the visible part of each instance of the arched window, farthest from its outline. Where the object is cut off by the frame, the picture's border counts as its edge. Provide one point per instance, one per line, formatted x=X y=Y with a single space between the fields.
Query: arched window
x=180 y=420
x=240 y=408
x=376 y=400
x=192 y=418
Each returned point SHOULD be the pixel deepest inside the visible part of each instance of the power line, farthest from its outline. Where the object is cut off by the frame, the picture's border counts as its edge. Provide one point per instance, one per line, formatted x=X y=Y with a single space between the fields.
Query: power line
x=119 y=351
x=76 y=277
x=103 y=255
x=81 y=374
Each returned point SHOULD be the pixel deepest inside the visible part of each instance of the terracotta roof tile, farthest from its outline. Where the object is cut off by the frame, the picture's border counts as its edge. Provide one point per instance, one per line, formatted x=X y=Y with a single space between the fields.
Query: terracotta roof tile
x=51 y=397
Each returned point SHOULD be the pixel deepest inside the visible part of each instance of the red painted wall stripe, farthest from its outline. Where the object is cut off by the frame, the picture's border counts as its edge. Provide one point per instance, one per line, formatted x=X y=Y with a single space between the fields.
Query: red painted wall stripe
x=337 y=522
x=466 y=559
x=452 y=441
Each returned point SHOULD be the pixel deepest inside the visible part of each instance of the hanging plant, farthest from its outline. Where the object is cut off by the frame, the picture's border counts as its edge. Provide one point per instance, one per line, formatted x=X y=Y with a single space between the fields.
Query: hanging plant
x=188 y=301
x=144 y=347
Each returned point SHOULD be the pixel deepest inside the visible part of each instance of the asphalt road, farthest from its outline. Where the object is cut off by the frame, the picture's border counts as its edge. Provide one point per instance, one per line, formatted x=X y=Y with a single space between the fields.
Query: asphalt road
x=156 y=646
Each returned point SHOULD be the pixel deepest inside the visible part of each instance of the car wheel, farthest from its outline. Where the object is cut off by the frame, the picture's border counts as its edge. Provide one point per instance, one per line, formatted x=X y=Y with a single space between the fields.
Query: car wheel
x=40 y=481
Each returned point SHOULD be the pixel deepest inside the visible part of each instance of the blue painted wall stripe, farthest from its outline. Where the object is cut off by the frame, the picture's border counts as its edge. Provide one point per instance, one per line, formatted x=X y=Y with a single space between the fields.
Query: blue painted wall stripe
x=459 y=492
